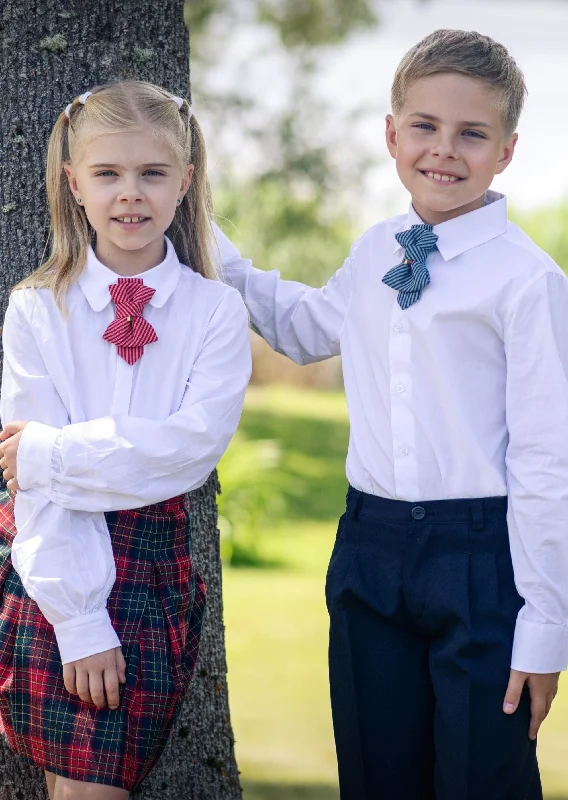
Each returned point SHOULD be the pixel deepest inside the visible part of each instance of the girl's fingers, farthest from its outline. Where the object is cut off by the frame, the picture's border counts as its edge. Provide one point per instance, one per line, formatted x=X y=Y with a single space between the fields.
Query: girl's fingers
x=120 y=665
x=82 y=681
x=69 y=678
x=97 y=689
x=111 y=688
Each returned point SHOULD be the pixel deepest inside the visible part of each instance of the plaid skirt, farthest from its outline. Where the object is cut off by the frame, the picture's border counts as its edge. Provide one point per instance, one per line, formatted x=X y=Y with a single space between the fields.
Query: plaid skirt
x=156 y=607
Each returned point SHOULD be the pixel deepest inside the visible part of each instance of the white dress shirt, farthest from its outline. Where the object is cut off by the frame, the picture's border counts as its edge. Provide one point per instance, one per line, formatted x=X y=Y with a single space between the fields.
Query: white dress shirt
x=106 y=435
x=464 y=394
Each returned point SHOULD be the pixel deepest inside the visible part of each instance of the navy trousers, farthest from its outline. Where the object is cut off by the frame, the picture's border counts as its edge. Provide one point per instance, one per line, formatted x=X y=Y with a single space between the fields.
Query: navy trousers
x=422 y=605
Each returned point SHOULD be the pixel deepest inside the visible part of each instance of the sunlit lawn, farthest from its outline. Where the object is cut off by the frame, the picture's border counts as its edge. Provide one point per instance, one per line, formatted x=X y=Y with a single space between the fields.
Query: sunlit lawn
x=277 y=622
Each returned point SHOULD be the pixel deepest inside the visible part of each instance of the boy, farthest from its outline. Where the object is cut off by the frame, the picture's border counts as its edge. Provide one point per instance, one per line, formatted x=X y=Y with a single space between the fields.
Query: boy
x=453 y=329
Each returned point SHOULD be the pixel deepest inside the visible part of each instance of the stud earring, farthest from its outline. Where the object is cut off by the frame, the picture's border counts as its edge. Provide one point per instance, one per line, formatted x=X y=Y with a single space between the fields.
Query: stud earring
x=78 y=200
x=178 y=201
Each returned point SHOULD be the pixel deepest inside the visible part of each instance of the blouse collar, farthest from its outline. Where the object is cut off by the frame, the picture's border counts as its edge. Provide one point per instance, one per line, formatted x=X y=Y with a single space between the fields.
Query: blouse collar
x=96 y=279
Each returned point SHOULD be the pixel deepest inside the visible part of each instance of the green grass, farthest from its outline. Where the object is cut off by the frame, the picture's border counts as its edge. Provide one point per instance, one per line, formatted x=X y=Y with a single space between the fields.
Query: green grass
x=277 y=622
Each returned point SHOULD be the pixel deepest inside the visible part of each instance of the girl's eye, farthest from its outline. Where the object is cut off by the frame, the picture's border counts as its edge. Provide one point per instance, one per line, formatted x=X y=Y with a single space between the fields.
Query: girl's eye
x=474 y=135
x=105 y=174
x=153 y=172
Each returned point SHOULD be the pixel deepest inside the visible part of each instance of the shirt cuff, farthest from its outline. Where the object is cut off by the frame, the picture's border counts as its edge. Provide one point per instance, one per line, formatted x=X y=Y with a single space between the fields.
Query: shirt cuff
x=34 y=456
x=539 y=647
x=85 y=635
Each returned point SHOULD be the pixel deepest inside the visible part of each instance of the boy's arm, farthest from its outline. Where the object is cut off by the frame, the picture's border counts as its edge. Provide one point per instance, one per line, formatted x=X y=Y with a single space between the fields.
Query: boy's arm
x=64 y=558
x=120 y=462
x=303 y=323
x=536 y=345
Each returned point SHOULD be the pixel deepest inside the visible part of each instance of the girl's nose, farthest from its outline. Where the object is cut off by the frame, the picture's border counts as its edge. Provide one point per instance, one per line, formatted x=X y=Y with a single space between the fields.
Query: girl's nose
x=130 y=194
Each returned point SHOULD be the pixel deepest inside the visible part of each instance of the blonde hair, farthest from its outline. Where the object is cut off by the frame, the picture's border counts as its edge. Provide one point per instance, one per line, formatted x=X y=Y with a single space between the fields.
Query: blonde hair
x=118 y=107
x=466 y=53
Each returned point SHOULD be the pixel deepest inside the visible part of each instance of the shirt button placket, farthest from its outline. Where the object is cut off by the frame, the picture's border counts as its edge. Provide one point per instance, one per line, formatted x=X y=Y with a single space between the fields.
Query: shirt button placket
x=402 y=417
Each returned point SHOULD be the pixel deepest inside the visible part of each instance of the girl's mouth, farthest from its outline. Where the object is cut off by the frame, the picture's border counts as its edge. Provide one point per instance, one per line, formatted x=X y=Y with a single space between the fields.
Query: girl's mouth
x=130 y=223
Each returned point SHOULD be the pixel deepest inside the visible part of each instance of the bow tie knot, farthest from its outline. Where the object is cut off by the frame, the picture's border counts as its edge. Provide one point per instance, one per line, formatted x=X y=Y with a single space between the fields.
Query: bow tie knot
x=130 y=332
x=411 y=276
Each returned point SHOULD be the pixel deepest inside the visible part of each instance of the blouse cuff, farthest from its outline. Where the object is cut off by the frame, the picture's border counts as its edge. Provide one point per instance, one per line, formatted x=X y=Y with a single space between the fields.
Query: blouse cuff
x=34 y=456
x=539 y=647
x=85 y=635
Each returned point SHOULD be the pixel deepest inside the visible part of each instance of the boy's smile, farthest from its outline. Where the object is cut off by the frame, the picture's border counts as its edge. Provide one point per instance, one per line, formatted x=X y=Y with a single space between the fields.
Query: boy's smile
x=449 y=142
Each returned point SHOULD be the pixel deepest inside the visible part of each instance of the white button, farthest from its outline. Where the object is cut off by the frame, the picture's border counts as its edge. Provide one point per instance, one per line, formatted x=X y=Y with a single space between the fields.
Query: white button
x=403 y=451
x=399 y=388
x=398 y=327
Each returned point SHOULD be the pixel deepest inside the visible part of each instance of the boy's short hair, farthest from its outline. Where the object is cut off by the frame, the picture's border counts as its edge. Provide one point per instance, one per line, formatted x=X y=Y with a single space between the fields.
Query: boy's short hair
x=466 y=53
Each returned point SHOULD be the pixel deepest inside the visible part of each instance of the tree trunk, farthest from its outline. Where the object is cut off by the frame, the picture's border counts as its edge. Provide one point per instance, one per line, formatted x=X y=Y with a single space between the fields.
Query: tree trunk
x=52 y=51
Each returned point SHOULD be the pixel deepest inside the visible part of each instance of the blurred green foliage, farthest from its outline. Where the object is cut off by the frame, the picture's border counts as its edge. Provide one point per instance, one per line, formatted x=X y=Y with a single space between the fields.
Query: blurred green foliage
x=310 y=23
x=285 y=463
x=548 y=227
x=316 y=22
x=282 y=230
x=292 y=210
x=252 y=496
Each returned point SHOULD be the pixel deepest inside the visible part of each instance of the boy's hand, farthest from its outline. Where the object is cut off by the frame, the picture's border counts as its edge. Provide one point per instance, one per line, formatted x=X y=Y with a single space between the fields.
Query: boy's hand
x=95 y=678
x=10 y=438
x=542 y=689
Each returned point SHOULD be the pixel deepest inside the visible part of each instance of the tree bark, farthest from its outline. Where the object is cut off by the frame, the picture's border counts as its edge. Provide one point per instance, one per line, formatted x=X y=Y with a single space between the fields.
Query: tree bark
x=50 y=52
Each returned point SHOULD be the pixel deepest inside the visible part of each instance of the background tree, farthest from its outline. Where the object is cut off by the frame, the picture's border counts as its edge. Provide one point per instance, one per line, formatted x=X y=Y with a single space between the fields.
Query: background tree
x=52 y=51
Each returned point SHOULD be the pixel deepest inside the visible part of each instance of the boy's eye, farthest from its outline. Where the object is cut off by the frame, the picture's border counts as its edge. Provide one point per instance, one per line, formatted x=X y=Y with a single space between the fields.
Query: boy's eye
x=424 y=126
x=474 y=134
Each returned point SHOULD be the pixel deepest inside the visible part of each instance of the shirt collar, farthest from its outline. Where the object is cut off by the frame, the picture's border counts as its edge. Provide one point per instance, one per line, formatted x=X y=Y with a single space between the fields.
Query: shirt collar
x=96 y=278
x=463 y=233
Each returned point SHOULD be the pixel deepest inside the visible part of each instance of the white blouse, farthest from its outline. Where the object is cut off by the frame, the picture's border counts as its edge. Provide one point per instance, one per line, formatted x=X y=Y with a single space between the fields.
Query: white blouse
x=105 y=435
x=464 y=394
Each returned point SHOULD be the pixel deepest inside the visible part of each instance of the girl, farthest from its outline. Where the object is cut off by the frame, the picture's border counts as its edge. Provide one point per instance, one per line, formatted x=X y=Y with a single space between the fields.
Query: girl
x=131 y=369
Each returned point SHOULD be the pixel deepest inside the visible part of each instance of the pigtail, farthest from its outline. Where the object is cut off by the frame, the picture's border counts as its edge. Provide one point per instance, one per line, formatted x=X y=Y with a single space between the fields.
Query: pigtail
x=70 y=233
x=191 y=231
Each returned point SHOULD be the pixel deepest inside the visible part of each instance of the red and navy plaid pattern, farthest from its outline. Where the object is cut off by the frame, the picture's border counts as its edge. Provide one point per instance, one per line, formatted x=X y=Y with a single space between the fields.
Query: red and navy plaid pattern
x=130 y=331
x=156 y=607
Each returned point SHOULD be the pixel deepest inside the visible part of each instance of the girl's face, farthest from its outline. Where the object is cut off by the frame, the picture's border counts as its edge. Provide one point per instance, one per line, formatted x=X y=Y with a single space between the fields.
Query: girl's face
x=129 y=184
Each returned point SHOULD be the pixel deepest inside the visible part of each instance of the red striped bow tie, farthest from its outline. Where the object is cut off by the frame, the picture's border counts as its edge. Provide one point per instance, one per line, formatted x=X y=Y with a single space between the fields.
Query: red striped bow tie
x=130 y=331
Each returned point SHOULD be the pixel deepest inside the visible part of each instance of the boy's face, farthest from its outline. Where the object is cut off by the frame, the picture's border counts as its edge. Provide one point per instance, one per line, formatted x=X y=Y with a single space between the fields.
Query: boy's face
x=449 y=142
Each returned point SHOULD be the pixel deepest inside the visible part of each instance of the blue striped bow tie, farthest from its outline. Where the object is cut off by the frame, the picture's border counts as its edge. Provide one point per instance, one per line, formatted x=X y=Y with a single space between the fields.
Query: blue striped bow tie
x=412 y=275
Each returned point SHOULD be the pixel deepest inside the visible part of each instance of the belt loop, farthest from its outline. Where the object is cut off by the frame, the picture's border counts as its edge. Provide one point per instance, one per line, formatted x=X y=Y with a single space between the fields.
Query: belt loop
x=354 y=498
x=477 y=515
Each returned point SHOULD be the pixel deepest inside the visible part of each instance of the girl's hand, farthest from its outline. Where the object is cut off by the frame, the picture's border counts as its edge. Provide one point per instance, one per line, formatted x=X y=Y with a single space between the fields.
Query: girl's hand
x=10 y=438
x=95 y=678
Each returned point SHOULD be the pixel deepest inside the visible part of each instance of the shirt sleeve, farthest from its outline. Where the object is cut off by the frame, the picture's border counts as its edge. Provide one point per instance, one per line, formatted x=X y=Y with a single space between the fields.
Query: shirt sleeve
x=120 y=462
x=64 y=558
x=536 y=343
x=296 y=320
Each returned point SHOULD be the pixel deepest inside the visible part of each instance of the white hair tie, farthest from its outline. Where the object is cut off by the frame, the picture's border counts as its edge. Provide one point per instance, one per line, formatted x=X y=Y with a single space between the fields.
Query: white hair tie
x=82 y=99
x=179 y=103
